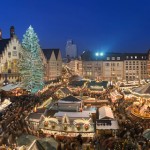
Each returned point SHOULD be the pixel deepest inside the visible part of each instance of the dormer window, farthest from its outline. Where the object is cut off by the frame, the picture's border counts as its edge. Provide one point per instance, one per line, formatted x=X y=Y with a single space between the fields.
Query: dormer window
x=131 y=57
x=118 y=58
x=135 y=57
x=127 y=57
x=113 y=58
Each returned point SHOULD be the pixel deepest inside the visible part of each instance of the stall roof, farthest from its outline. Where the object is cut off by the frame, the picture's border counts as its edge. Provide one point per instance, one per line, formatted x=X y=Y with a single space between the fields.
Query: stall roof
x=83 y=114
x=69 y=99
x=65 y=90
x=10 y=87
x=105 y=111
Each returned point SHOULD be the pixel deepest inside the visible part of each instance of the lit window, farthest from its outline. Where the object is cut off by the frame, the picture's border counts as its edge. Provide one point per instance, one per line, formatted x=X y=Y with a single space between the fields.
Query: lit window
x=113 y=58
x=142 y=57
x=108 y=58
x=135 y=57
x=131 y=57
x=14 y=53
x=118 y=58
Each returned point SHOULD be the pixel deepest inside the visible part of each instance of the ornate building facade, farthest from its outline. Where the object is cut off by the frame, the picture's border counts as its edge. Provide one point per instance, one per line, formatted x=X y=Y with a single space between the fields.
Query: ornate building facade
x=10 y=53
x=9 y=57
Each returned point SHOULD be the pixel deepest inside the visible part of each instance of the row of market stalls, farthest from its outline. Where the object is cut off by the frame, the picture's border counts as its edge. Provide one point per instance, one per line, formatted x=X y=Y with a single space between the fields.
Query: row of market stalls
x=13 y=90
x=68 y=117
x=140 y=96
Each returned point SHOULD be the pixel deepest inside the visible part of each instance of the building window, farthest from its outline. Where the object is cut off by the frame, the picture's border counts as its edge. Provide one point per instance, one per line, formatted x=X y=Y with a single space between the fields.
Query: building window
x=113 y=58
x=135 y=57
x=113 y=64
x=108 y=58
x=142 y=57
x=19 y=55
x=127 y=57
x=118 y=58
x=14 y=53
x=14 y=47
x=131 y=57
x=107 y=64
x=9 y=54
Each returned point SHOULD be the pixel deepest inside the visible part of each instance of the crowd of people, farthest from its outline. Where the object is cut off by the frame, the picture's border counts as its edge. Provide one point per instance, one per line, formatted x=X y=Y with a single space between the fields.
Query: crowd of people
x=128 y=137
x=12 y=119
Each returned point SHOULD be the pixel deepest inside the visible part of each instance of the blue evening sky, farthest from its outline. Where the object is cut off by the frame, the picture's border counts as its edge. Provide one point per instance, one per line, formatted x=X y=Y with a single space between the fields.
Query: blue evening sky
x=98 y=25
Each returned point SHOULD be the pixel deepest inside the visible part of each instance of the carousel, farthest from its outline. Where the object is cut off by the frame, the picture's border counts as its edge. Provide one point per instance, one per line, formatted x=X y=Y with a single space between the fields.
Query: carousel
x=141 y=108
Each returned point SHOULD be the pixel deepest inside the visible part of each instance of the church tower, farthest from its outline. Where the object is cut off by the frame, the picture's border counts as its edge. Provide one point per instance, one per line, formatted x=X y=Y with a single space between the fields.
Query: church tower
x=12 y=31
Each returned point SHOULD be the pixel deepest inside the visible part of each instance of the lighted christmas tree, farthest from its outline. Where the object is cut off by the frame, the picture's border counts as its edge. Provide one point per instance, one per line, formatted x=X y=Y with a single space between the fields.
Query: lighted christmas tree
x=30 y=65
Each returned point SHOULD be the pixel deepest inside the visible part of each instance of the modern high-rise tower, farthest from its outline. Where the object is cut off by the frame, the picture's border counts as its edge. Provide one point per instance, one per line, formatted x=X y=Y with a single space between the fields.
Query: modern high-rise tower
x=71 y=49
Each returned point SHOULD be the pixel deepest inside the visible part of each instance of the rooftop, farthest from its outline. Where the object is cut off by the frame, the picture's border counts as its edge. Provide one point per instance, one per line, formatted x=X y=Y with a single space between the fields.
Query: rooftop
x=48 y=53
x=3 y=44
x=69 y=99
x=83 y=114
x=105 y=112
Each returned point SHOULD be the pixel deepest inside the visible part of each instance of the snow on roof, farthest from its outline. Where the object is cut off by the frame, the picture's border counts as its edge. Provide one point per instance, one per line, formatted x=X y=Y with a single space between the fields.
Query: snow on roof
x=83 y=114
x=105 y=111
x=4 y=104
x=10 y=87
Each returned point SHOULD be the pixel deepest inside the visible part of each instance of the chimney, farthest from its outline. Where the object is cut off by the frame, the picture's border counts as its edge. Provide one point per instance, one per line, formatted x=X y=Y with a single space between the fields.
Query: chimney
x=12 y=31
x=0 y=34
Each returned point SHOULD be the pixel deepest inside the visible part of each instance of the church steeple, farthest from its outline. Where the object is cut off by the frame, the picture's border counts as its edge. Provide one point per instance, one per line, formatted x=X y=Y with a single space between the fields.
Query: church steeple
x=12 y=31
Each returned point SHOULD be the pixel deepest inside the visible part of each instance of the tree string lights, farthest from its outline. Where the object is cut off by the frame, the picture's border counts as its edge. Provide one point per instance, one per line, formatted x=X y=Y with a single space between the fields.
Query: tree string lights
x=31 y=66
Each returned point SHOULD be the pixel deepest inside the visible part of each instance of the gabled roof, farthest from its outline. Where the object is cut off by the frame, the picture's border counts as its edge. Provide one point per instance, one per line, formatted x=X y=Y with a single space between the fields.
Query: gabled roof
x=70 y=99
x=48 y=53
x=105 y=112
x=3 y=44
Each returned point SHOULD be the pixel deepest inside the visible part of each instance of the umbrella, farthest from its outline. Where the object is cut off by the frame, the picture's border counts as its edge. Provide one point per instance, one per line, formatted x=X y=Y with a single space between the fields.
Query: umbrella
x=146 y=134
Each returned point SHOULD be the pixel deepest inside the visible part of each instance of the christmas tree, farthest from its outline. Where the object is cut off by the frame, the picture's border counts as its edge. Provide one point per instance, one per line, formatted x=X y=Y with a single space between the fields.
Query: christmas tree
x=30 y=65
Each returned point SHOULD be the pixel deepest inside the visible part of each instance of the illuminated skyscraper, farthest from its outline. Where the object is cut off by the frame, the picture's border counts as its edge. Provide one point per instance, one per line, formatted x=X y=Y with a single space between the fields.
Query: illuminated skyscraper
x=71 y=49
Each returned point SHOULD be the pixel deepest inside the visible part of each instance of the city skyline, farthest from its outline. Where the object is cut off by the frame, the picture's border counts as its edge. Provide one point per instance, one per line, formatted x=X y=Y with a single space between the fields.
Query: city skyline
x=98 y=25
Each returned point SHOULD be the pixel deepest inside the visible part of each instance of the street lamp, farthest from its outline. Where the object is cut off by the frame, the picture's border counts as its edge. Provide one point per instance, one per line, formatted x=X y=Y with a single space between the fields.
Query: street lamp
x=97 y=54
x=101 y=54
